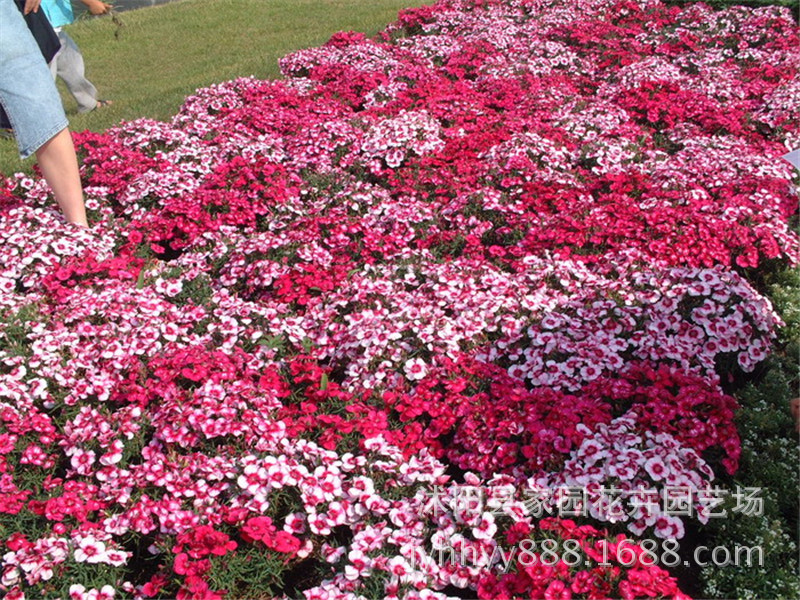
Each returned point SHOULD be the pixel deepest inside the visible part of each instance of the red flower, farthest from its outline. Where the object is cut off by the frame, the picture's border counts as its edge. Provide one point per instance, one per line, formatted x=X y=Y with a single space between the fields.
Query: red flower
x=196 y=588
x=17 y=541
x=517 y=532
x=204 y=540
x=184 y=566
x=156 y=583
x=285 y=542
x=258 y=529
x=557 y=590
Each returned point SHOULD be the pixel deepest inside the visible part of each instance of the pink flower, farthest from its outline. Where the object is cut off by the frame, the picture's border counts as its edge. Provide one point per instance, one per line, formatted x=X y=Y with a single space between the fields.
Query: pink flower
x=154 y=586
x=77 y=592
x=204 y=540
x=656 y=468
x=258 y=529
x=415 y=369
x=82 y=461
x=669 y=527
x=90 y=550
x=557 y=590
x=284 y=542
x=105 y=593
x=398 y=567
x=486 y=527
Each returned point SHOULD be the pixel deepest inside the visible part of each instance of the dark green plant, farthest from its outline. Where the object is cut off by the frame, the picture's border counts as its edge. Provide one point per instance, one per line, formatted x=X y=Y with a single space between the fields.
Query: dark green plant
x=248 y=573
x=769 y=461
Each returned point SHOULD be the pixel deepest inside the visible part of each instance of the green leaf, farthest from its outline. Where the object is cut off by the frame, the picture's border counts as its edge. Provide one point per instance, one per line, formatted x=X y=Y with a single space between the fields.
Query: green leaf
x=273 y=342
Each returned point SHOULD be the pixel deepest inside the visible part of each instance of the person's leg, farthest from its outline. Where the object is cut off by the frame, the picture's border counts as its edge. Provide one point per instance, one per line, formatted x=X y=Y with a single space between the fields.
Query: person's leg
x=70 y=67
x=59 y=165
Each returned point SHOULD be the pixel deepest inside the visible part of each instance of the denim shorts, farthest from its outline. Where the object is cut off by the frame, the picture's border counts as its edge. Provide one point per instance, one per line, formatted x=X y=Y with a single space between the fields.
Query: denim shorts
x=27 y=90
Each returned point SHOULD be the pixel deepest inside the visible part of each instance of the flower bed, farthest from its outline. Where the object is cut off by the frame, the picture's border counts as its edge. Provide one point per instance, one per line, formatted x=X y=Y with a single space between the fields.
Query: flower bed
x=503 y=251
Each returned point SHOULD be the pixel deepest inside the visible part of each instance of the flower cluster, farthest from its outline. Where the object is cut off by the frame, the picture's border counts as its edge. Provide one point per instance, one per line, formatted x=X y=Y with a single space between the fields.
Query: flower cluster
x=505 y=243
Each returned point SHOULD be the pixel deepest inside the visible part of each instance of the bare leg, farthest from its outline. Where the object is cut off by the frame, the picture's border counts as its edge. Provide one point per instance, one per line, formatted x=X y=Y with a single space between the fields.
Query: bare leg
x=59 y=165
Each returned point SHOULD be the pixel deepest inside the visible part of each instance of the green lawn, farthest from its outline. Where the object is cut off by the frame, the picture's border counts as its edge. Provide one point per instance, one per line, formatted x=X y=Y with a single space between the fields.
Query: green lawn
x=161 y=54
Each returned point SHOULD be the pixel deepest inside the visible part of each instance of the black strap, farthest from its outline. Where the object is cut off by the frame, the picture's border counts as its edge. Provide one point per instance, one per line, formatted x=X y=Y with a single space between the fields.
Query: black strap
x=42 y=32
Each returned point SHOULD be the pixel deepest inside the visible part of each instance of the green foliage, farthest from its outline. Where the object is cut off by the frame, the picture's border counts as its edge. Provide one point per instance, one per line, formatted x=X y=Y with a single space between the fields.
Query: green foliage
x=90 y=576
x=33 y=525
x=16 y=326
x=774 y=576
x=784 y=290
x=769 y=461
x=375 y=585
x=721 y=4
x=198 y=290
x=252 y=572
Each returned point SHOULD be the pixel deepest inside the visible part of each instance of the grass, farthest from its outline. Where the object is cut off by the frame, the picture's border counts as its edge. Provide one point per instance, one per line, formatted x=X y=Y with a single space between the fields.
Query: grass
x=162 y=54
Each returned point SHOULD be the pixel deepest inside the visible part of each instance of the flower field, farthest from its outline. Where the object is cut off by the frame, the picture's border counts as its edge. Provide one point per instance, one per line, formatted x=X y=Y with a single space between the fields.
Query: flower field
x=472 y=287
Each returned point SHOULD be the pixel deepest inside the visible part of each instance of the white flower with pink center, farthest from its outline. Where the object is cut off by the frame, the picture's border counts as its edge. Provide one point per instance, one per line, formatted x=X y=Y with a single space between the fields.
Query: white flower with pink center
x=90 y=550
x=486 y=527
x=82 y=461
x=415 y=369
x=114 y=453
x=104 y=593
x=399 y=567
x=669 y=527
x=360 y=565
x=77 y=592
x=11 y=574
x=591 y=451
x=656 y=468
